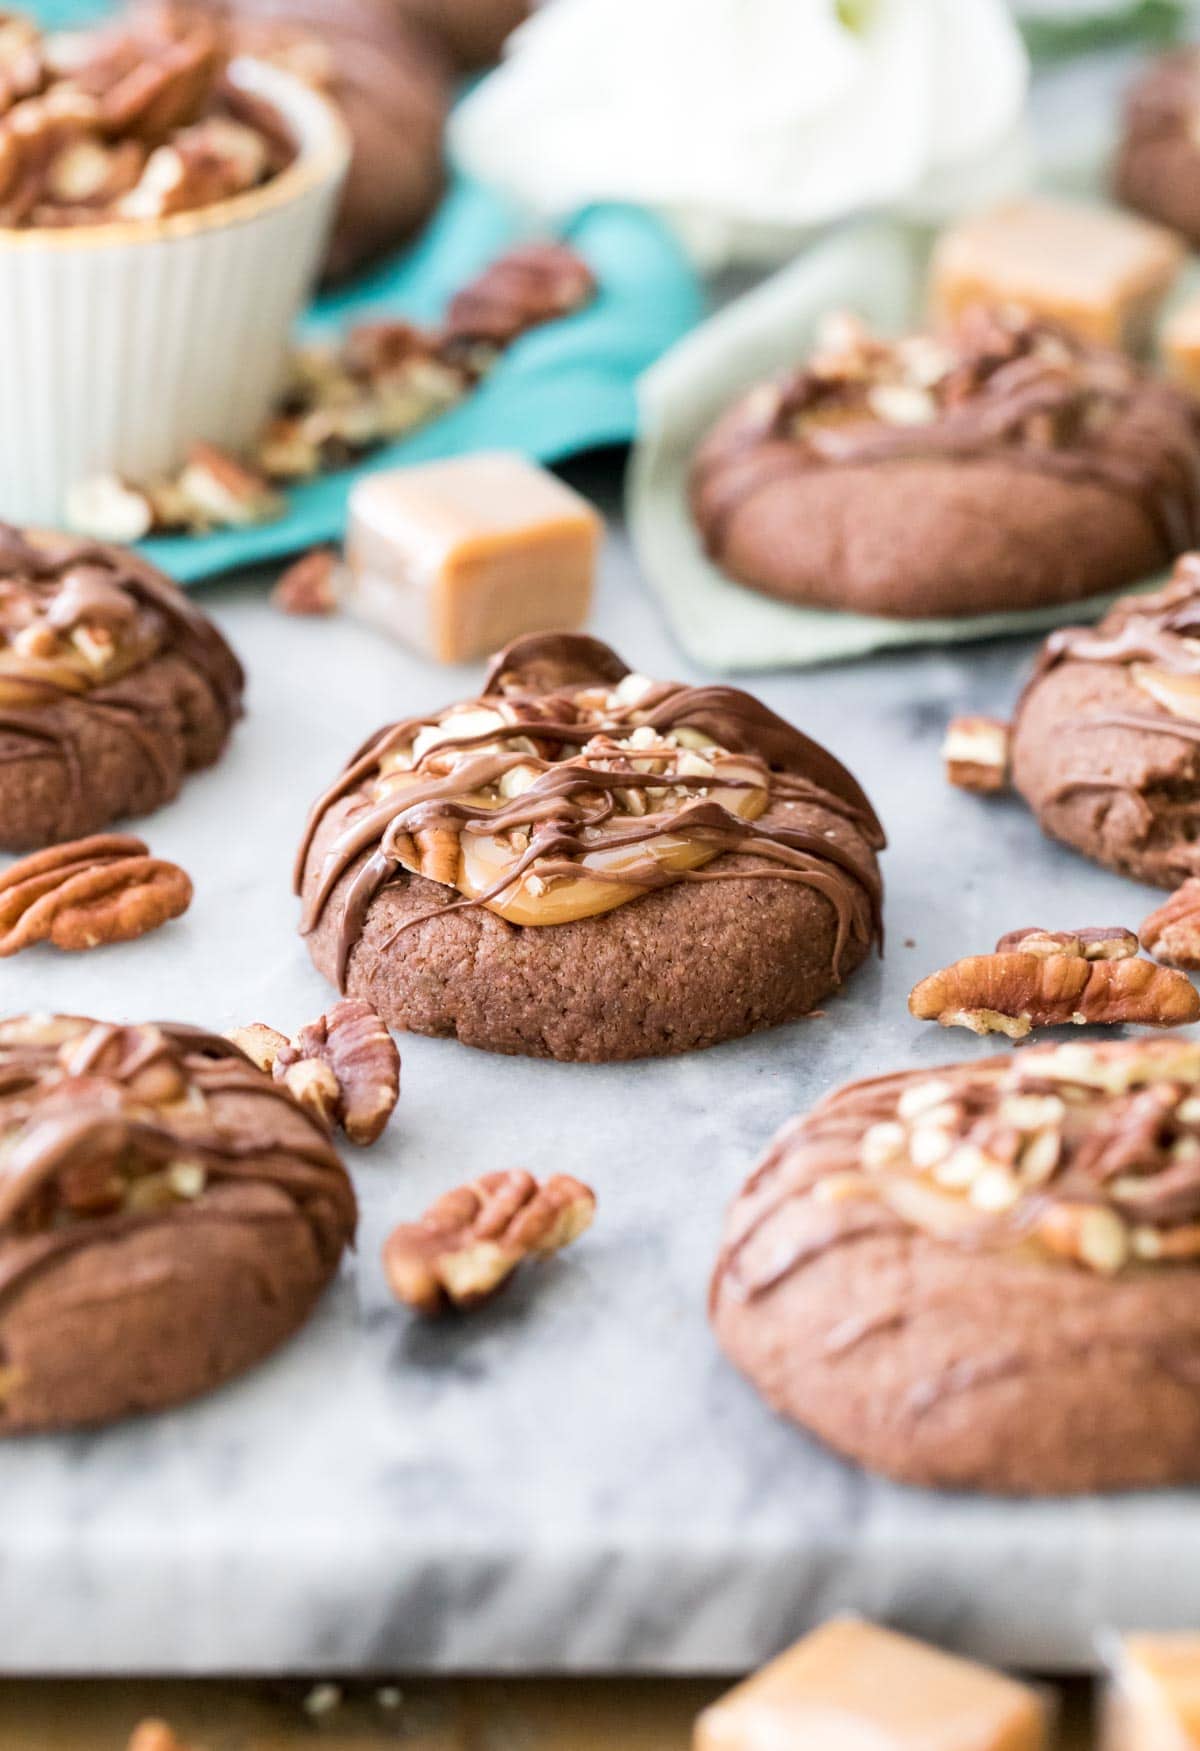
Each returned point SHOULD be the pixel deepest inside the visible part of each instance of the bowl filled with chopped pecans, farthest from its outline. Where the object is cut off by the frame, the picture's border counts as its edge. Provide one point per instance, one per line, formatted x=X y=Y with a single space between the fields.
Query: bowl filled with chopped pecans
x=164 y=206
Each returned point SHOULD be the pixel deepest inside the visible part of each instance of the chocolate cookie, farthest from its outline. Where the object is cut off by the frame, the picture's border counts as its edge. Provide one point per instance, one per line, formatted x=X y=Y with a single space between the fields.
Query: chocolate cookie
x=392 y=82
x=985 y=1276
x=586 y=864
x=112 y=687
x=168 y=1216
x=473 y=31
x=1106 y=736
x=1157 y=167
x=1003 y=465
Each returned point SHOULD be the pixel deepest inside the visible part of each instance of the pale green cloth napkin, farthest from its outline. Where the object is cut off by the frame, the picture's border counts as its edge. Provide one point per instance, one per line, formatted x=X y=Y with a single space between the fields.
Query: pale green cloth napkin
x=876 y=268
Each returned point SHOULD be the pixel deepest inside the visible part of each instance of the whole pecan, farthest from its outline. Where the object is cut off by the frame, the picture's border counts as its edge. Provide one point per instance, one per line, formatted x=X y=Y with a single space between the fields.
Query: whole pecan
x=344 y=1066
x=1012 y=993
x=88 y=893
x=473 y=1238
x=1172 y=933
x=529 y=285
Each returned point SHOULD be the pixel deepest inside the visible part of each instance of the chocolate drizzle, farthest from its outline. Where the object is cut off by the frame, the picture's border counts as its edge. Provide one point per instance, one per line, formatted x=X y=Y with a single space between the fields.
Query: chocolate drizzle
x=92 y=1114
x=1012 y=388
x=560 y=696
x=1127 y=1143
x=59 y=585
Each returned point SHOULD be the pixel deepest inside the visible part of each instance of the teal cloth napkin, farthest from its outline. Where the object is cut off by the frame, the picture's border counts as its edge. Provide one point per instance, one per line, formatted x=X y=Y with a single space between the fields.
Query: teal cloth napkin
x=561 y=389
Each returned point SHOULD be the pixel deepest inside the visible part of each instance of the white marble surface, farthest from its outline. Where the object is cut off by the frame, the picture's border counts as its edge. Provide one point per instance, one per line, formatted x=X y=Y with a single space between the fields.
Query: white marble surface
x=571 y=1478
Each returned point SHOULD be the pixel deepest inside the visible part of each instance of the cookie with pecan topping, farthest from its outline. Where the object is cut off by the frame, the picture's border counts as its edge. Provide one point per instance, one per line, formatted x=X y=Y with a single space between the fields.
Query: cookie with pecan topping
x=1106 y=736
x=169 y=1215
x=984 y=1276
x=1157 y=168
x=583 y=863
x=113 y=686
x=1000 y=465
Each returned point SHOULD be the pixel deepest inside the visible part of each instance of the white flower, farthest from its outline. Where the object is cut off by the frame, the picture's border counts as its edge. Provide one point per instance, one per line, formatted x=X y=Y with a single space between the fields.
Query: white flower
x=745 y=121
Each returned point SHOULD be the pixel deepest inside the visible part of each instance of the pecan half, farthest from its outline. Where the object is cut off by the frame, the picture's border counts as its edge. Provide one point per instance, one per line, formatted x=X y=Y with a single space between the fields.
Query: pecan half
x=1093 y=943
x=473 y=1238
x=1013 y=993
x=309 y=586
x=88 y=893
x=529 y=285
x=343 y=1067
x=1172 y=933
x=976 y=753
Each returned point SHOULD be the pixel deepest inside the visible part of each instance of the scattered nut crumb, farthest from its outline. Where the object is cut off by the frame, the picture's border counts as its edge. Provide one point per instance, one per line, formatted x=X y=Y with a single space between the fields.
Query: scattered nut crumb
x=469 y=1241
x=976 y=754
x=322 y=1700
x=309 y=586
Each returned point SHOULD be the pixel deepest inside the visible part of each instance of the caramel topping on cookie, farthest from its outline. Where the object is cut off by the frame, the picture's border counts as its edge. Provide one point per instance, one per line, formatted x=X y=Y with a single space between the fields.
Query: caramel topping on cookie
x=1082 y=1154
x=572 y=786
x=105 y=1127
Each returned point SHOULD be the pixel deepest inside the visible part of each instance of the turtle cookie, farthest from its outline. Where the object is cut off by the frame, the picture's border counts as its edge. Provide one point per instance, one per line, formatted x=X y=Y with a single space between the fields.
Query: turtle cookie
x=169 y=1215
x=113 y=686
x=1106 y=736
x=584 y=863
x=987 y=1275
x=1003 y=464
x=1157 y=167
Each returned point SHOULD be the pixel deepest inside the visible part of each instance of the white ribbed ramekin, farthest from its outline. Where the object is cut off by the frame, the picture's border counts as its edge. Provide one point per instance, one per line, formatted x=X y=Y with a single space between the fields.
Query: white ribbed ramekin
x=121 y=345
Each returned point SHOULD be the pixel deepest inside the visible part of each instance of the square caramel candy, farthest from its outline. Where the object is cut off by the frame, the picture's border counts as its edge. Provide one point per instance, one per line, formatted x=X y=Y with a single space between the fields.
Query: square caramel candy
x=457 y=558
x=1181 y=344
x=1152 y=1701
x=851 y=1686
x=1101 y=273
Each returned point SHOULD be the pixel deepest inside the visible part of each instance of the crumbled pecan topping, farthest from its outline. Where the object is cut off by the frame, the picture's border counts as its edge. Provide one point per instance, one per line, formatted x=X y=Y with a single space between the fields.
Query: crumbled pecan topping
x=89 y=893
x=976 y=754
x=1052 y=983
x=472 y=1239
x=344 y=1067
x=1172 y=932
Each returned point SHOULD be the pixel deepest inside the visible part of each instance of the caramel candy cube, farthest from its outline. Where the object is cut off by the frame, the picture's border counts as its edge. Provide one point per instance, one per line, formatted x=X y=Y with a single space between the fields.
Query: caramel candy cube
x=1181 y=344
x=1101 y=273
x=851 y=1686
x=1152 y=1702
x=457 y=558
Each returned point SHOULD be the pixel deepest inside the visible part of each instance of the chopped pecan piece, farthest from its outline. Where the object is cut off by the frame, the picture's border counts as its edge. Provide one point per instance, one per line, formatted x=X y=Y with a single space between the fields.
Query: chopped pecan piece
x=473 y=1238
x=976 y=752
x=343 y=1067
x=1094 y=943
x=1014 y=993
x=309 y=586
x=1172 y=933
x=1177 y=694
x=88 y=893
x=223 y=491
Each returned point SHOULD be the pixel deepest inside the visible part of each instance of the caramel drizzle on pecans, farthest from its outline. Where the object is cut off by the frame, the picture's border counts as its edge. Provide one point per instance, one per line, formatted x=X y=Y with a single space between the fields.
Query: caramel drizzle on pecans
x=995 y=384
x=76 y=617
x=581 y=742
x=105 y=1128
x=1071 y=1155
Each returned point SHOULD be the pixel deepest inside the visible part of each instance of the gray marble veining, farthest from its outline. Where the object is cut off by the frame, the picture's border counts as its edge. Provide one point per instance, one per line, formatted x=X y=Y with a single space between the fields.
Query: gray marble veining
x=571 y=1478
